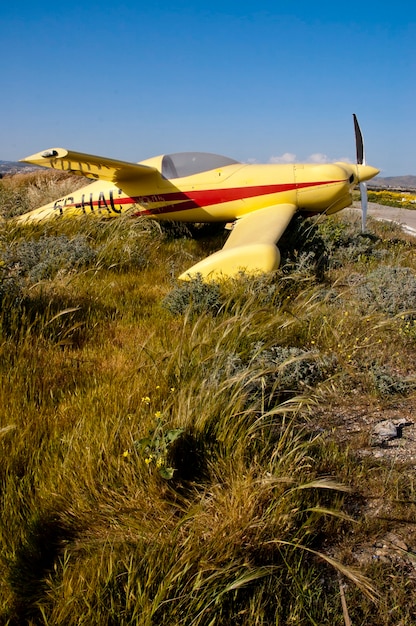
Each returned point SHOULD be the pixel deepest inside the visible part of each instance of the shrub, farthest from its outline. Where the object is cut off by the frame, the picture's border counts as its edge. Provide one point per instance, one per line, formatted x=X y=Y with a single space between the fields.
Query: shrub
x=42 y=259
x=271 y=375
x=389 y=290
x=290 y=370
x=303 y=248
x=386 y=383
x=344 y=243
x=313 y=246
x=195 y=295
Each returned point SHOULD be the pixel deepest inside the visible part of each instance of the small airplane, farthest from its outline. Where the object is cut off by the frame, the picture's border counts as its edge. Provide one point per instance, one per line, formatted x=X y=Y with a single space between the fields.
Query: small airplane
x=260 y=200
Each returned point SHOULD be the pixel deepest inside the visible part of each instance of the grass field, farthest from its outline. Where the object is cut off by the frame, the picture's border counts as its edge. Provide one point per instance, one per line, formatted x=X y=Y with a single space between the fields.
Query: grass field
x=202 y=454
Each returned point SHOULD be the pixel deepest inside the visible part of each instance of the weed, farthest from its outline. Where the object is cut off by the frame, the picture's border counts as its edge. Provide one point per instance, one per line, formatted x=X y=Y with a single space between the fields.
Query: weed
x=155 y=447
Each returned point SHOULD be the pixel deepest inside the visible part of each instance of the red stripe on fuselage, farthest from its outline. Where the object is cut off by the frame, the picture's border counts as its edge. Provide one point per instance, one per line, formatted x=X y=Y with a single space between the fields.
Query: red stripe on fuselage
x=194 y=199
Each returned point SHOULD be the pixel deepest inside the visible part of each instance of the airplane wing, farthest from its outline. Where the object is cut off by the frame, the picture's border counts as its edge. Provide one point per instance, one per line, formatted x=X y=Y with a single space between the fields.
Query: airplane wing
x=250 y=246
x=89 y=165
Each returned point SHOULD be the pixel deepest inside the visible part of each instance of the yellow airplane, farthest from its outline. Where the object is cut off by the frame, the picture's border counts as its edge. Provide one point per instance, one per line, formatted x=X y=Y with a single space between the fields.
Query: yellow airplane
x=260 y=200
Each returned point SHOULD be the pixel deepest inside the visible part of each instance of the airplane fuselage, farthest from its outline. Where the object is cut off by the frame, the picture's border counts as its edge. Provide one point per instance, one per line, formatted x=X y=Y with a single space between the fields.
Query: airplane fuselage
x=221 y=194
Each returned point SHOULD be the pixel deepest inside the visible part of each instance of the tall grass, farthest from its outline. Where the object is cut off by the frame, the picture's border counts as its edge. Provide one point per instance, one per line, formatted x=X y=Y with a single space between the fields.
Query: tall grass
x=23 y=192
x=111 y=372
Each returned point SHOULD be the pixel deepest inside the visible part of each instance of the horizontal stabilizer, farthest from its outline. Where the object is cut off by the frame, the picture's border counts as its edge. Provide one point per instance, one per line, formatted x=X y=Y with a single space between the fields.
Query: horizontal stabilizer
x=88 y=165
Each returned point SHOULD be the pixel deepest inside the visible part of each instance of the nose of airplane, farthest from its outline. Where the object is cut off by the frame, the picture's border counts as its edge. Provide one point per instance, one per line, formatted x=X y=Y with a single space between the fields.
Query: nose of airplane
x=365 y=172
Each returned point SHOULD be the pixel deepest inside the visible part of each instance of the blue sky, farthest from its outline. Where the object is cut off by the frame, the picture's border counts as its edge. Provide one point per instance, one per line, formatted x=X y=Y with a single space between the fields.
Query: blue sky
x=257 y=81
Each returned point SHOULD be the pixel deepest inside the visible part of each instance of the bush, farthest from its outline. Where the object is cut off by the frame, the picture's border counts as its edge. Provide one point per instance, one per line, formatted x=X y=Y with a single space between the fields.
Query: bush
x=303 y=249
x=389 y=290
x=276 y=373
x=290 y=370
x=313 y=246
x=42 y=259
x=344 y=243
x=386 y=383
x=195 y=295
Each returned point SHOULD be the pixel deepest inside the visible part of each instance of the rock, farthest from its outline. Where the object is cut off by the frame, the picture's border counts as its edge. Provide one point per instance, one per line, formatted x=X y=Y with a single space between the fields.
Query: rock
x=384 y=432
x=387 y=430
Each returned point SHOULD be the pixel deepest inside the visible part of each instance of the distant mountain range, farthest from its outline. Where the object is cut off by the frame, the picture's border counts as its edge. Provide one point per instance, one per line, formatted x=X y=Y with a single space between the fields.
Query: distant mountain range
x=14 y=167
x=394 y=182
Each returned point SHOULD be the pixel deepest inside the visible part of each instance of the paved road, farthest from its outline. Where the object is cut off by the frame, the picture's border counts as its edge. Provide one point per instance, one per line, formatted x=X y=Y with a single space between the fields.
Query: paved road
x=405 y=217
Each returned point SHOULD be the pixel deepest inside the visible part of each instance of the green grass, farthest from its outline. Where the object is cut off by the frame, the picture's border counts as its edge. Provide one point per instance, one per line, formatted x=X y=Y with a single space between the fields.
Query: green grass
x=112 y=372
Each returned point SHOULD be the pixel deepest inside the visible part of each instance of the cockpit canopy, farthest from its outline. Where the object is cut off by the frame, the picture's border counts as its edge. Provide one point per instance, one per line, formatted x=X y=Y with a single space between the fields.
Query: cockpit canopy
x=182 y=164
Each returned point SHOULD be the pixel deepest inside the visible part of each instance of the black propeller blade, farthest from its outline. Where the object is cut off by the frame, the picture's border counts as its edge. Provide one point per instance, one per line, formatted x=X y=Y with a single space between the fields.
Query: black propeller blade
x=359 y=144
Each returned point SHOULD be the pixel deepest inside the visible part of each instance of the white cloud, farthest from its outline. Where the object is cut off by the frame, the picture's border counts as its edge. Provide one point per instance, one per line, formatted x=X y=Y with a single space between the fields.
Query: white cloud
x=320 y=158
x=287 y=157
x=317 y=157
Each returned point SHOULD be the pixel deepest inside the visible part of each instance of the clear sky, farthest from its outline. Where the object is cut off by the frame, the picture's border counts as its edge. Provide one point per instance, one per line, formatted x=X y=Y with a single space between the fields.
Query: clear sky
x=257 y=81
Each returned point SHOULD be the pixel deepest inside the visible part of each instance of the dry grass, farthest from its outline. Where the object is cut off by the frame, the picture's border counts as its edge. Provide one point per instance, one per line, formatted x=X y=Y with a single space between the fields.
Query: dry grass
x=23 y=192
x=271 y=499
